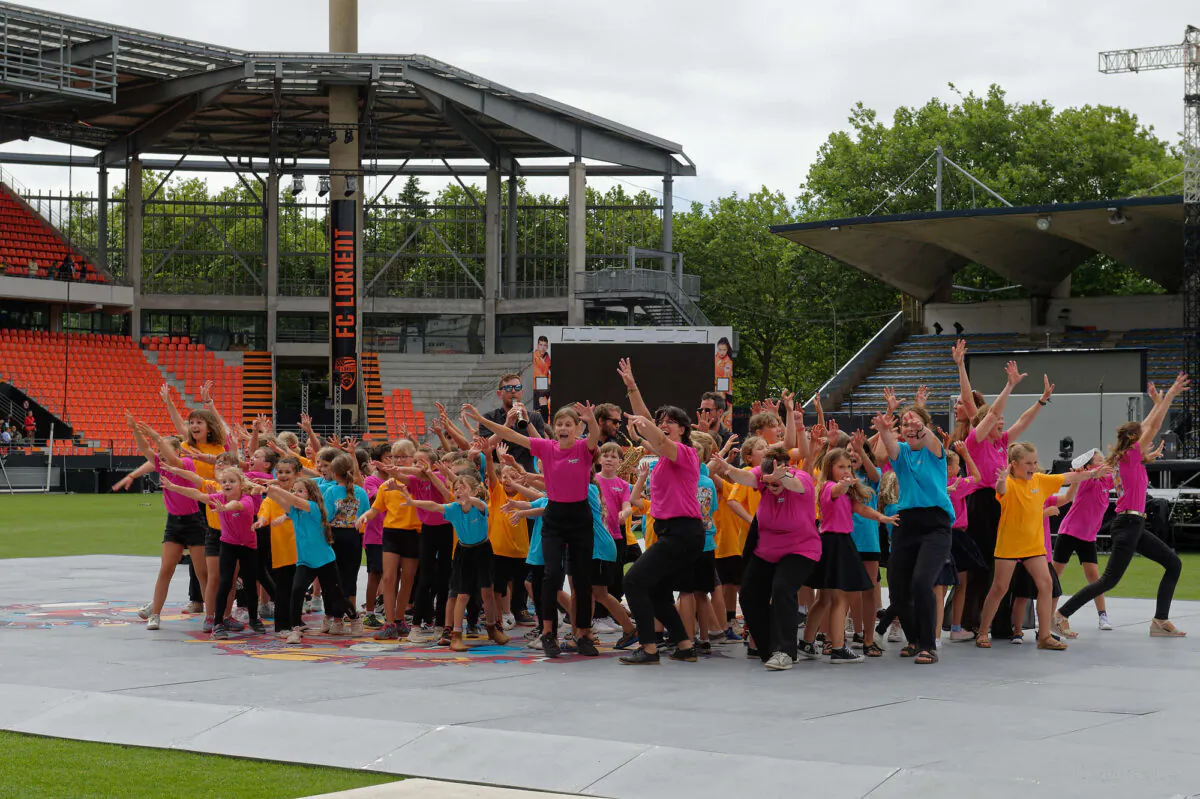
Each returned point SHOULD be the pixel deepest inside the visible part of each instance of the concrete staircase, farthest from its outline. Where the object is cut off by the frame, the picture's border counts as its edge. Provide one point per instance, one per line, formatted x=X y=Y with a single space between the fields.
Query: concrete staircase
x=172 y=381
x=452 y=379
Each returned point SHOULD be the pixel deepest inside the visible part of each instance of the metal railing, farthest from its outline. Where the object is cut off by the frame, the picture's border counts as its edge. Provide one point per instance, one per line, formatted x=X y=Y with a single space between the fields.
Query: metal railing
x=649 y=282
x=302 y=336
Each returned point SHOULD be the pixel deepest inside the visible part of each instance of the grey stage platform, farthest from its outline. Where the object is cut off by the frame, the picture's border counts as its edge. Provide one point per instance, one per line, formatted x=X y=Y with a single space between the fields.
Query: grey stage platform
x=1115 y=716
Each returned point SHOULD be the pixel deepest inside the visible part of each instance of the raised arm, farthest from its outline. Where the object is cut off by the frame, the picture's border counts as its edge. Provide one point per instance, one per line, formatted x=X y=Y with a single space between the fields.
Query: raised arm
x=306 y=426
x=1162 y=403
x=858 y=442
x=959 y=353
x=883 y=426
x=819 y=409
x=639 y=484
x=1073 y=478
x=506 y=433
x=173 y=412
x=984 y=428
x=636 y=402
x=211 y=405
x=656 y=441
x=190 y=493
x=127 y=481
x=138 y=439
x=587 y=412
x=186 y=474
x=1027 y=418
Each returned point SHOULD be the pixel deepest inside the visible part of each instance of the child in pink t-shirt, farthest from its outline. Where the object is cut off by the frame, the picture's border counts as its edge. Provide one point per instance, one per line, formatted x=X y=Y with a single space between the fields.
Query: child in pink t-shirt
x=1078 y=529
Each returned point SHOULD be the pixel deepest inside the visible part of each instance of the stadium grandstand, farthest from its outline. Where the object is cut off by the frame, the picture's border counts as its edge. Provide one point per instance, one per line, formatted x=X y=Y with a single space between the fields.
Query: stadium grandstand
x=107 y=293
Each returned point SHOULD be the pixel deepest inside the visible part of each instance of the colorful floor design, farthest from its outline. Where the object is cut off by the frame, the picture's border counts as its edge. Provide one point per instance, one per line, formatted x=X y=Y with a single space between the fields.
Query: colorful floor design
x=364 y=652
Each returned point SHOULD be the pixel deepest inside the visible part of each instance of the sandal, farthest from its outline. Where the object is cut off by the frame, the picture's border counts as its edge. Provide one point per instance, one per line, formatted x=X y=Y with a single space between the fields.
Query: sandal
x=984 y=641
x=1051 y=643
x=872 y=650
x=926 y=657
x=909 y=651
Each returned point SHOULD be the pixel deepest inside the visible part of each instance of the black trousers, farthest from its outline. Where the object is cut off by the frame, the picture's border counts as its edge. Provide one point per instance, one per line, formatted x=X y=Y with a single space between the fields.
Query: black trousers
x=348 y=551
x=920 y=545
x=983 y=519
x=567 y=536
x=769 y=604
x=1129 y=536
x=335 y=601
x=648 y=582
x=195 y=592
x=264 y=564
x=436 y=543
x=510 y=570
x=283 y=578
x=231 y=558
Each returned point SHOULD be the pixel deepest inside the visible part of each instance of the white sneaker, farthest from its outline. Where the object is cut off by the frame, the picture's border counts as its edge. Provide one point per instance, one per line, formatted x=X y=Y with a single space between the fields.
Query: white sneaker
x=194 y=607
x=536 y=643
x=144 y=611
x=307 y=607
x=267 y=610
x=419 y=635
x=326 y=625
x=605 y=625
x=241 y=614
x=849 y=625
x=895 y=634
x=152 y=622
x=356 y=626
x=779 y=661
x=508 y=621
x=961 y=635
x=318 y=605
x=294 y=636
x=1105 y=624
x=337 y=627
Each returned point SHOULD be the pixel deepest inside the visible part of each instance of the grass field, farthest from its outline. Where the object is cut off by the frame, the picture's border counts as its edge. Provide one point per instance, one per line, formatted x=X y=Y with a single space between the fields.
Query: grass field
x=36 y=525
x=41 y=767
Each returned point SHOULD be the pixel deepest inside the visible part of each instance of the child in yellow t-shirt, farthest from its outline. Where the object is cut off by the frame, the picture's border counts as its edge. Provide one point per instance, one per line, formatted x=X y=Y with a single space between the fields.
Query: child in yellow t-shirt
x=1022 y=491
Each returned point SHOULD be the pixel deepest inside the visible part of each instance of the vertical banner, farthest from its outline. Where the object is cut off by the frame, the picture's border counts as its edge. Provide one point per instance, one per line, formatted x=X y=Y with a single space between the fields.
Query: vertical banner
x=343 y=300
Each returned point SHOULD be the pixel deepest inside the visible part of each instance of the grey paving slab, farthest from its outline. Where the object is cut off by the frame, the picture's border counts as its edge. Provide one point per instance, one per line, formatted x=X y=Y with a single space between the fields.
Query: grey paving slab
x=1111 y=717
x=549 y=762
x=93 y=716
x=662 y=773
x=300 y=738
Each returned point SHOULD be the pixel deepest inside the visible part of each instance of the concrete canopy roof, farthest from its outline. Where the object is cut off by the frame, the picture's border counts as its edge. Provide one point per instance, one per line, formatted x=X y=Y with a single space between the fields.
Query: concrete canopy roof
x=124 y=91
x=919 y=253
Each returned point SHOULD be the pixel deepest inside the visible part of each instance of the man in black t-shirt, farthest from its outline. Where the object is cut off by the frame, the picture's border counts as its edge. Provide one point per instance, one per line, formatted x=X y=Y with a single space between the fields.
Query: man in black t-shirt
x=513 y=413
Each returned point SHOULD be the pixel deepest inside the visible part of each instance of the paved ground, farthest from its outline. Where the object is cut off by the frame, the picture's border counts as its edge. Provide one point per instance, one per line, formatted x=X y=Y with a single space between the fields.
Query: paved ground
x=1113 y=717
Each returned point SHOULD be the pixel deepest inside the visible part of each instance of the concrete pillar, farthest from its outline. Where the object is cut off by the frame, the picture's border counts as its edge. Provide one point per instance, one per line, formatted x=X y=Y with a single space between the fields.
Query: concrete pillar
x=271 y=233
x=133 y=242
x=1063 y=290
x=668 y=225
x=491 y=260
x=102 y=218
x=576 y=240
x=511 y=264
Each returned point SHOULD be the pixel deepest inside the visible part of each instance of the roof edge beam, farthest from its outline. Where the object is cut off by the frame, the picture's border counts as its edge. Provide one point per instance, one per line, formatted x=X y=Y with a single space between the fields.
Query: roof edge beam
x=81 y=53
x=487 y=147
x=572 y=137
x=168 y=90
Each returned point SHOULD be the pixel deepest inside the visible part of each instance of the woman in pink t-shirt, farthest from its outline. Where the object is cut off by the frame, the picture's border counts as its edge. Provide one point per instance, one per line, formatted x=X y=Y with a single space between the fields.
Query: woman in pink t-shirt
x=1134 y=448
x=566 y=463
x=678 y=526
x=1078 y=529
x=988 y=445
x=185 y=523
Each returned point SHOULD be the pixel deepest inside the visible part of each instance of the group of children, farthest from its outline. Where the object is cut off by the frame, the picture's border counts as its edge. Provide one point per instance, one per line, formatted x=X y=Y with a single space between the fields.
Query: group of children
x=792 y=527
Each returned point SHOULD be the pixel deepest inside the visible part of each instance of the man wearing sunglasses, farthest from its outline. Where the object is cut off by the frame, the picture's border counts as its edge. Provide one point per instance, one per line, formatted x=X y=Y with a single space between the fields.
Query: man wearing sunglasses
x=513 y=413
x=610 y=419
x=709 y=416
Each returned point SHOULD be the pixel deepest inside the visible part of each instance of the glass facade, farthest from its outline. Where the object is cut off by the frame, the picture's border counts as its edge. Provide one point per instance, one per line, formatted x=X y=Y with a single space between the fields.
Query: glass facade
x=216 y=331
x=447 y=334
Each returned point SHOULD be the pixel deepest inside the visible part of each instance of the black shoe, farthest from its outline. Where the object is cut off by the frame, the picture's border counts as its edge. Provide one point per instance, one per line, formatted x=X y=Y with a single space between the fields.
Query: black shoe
x=550 y=645
x=802 y=619
x=807 y=650
x=584 y=646
x=626 y=640
x=685 y=655
x=640 y=657
x=842 y=656
x=703 y=647
x=752 y=653
x=258 y=627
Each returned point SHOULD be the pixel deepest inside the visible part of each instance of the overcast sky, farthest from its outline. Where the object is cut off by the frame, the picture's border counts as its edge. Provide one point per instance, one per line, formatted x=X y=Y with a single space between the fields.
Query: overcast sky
x=750 y=89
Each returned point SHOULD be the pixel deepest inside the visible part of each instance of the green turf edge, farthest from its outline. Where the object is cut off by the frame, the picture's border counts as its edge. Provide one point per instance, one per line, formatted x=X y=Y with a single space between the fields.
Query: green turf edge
x=41 y=766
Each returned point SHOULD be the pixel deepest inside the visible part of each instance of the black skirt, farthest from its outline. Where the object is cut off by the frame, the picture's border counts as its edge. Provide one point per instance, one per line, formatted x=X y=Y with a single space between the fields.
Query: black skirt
x=1022 y=585
x=948 y=574
x=965 y=552
x=840 y=566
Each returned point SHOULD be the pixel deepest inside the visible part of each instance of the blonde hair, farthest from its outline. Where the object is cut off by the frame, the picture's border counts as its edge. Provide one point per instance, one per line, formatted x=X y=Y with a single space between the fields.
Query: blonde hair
x=763 y=419
x=568 y=411
x=473 y=485
x=404 y=447
x=288 y=439
x=611 y=448
x=704 y=444
x=1128 y=436
x=342 y=470
x=889 y=489
x=1020 y=450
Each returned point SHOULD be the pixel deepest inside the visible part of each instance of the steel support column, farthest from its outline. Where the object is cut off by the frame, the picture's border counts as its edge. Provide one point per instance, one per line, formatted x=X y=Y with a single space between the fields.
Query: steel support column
x=510 y=281
x=271 y=233
x=576 y=240
x=491 y=259
x=102 y=219
x=133 y=242
x=668 y=232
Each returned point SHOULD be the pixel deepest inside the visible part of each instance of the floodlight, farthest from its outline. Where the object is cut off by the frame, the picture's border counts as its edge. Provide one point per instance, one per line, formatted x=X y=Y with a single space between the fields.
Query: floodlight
x=322 y=185
x=332 y=136
x=351 y=185
x=1043 y=223
x=297 y=184
x=349 y=136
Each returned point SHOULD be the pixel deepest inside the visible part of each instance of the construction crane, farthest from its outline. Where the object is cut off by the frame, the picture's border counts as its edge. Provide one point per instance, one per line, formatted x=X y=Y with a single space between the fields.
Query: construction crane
x=1187 y=57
